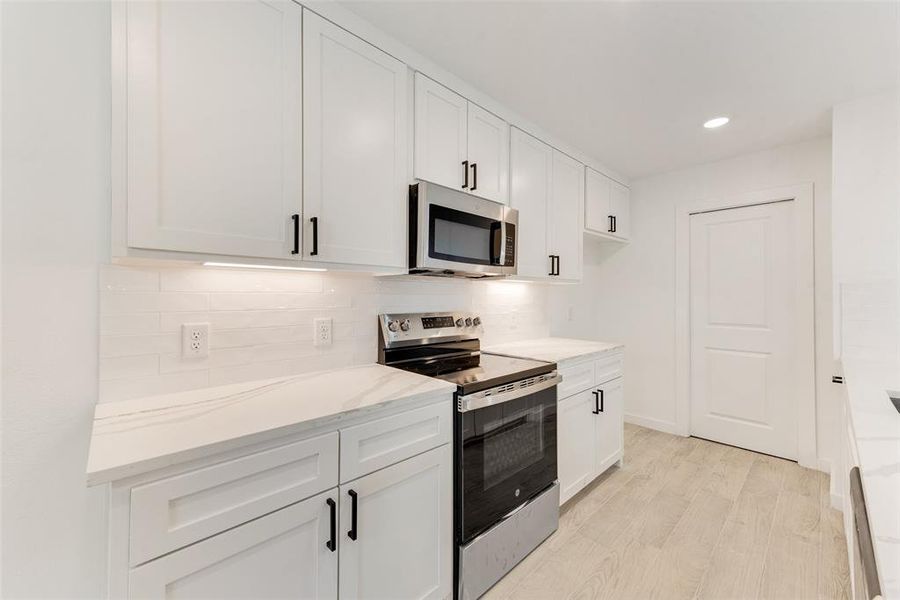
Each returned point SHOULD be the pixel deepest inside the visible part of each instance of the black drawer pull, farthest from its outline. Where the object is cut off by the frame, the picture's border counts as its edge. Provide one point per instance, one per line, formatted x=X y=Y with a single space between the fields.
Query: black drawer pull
x=331 y=544
x=353 y=498
x=315 y=224
x=296 y=220
x=598 y=402
x=474 y=176
x=465 y=165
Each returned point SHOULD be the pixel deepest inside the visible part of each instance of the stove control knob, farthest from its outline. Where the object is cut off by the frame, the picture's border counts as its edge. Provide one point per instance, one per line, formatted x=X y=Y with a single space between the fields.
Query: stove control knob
x=393 y=325
x=476 y=321
x=404 y=325
x=468 y=321
x=459 y=322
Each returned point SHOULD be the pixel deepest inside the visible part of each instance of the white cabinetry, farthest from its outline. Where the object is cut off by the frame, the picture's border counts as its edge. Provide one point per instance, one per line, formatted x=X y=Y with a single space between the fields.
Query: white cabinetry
x=274 y=523
x=212 y=127
x=354 y=149
x=458 y=144
x=590 y=422
x=401 y=521
x=547 y=188
x=281 y=555
x=606 y=206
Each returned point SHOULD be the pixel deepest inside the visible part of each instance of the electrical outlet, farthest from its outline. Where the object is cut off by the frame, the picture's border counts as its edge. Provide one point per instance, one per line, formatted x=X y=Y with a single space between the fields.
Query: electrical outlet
x=195 y=340
x=322 y=332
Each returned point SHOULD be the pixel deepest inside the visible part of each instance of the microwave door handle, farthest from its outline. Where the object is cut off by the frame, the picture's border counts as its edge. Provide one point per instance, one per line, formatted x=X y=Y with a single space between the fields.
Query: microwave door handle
x=502 y=243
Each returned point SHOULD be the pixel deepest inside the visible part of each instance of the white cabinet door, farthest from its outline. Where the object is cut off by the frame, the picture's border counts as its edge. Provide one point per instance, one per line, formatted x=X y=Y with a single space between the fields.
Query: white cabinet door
x=403 y=536
x=441 y=126
x=597 y=215
x=531 y=169
x=280 y=555
x=213 y=126
x=620 y=208
x=566 y=215
x=575 y=443
x=355 y=149
x=608 y=424
x=488 y=143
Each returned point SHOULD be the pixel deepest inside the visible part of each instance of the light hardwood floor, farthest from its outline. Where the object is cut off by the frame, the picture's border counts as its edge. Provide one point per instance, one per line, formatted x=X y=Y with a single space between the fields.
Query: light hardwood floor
x=688 y=518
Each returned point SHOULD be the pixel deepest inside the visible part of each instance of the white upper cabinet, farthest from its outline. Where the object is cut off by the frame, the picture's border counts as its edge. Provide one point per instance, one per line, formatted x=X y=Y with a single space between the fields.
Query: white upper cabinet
x=213 y=126
x=355 y=149
x=566 y=204
x=531 y=170
x=441 y=134
x=459 y=144
x=620 y=208
x=606 y=206
x=488 y=155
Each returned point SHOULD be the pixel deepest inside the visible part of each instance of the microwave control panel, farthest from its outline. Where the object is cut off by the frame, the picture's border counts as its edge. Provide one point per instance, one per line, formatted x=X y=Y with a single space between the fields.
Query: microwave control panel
x=510 y=242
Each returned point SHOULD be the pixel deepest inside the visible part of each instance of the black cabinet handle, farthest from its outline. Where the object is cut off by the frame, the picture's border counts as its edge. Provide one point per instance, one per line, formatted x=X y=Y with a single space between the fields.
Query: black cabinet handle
x=615 y=224
x=598 y=402
x=465 y=165
x=315 y=224
x=474 y=176
x=352 y=533
x=331 y=544
x=557 y=265
x=296 y=220
x=552 y=265
x=611 y=227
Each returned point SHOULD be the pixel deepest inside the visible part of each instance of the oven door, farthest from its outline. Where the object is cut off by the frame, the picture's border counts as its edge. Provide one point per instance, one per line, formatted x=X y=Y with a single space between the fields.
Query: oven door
x=458 y=232
x=506 y=454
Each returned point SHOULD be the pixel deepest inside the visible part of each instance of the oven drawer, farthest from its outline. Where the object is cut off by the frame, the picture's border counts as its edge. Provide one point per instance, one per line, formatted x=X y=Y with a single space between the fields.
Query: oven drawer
x=608 y=368
x=576 y=378
x=378 y=444
x=171 y=513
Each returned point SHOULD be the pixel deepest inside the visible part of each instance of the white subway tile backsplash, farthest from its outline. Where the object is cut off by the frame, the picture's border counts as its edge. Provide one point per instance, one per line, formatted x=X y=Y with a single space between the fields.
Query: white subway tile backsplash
x=261 y=322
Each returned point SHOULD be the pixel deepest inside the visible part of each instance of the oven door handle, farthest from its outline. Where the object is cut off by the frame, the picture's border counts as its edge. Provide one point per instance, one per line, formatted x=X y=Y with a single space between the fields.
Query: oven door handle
x=494 y=396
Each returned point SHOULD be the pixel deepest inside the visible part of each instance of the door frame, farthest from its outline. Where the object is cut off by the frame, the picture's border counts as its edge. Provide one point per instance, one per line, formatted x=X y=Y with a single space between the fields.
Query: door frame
x=802 y=195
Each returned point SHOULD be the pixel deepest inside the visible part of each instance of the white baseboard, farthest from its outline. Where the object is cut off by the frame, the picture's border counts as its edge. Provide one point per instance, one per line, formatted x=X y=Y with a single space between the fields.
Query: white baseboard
x=650 y=423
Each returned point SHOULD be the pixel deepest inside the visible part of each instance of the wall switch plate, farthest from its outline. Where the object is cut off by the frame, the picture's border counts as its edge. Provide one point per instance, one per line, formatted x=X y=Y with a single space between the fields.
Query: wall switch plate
x=195 y=340
x=322 y=332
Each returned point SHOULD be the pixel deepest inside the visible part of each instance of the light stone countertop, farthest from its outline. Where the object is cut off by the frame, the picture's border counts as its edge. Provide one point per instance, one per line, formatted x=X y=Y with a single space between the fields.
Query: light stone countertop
x=553 y=349
x=131 y=437
x=876 y=428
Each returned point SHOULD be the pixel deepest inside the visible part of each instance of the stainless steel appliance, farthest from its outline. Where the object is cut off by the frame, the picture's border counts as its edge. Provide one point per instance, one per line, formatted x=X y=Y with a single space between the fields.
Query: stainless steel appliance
x=454 y=234
x=865 y=573
x=506 y=493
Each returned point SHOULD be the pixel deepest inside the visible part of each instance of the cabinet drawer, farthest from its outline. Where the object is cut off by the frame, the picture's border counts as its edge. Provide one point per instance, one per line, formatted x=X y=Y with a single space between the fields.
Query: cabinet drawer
x=177 y=511
x=378 y=444
x=608 y=368
x=575 y=379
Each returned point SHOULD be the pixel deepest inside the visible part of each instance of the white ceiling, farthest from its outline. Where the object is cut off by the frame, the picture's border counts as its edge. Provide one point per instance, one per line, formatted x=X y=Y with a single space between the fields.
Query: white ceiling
x=631 y=83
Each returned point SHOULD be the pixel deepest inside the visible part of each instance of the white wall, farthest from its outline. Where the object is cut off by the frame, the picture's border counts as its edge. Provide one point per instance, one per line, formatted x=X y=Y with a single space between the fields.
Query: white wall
x=55 y=186
x=628 y=292
x=866 y=227
x=261 y=322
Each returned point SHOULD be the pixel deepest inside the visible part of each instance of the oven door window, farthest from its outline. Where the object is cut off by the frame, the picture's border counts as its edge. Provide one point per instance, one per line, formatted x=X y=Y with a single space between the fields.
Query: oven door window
x=462 y=237
x=508 y=456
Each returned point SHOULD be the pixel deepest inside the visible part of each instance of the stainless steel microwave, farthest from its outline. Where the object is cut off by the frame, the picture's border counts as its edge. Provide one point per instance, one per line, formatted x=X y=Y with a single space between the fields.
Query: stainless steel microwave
x=455 y=234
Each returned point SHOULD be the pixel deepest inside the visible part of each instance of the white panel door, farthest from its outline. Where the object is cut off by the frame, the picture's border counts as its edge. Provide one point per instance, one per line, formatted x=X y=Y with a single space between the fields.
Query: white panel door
x=404 y=530
x=743 y=338
x=608 y=423
x=531 y=173
x=280 y=555
x=566 y=215
x=355 y=149
x=597 y=215
x=575 y=443
x=488 y=143
x=620 y=209
x=441 y=125
x=213 y=126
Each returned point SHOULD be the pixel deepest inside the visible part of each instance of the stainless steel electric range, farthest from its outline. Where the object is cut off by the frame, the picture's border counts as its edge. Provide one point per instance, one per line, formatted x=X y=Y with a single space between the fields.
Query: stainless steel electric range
x=506 y=493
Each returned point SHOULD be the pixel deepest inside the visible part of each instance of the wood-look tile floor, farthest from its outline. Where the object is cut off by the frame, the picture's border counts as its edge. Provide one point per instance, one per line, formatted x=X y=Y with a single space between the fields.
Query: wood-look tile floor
x=688 y=518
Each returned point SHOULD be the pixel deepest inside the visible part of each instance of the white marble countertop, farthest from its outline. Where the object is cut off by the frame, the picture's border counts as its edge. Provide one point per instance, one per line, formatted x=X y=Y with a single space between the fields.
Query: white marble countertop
x=553 y=349
x=876 y=428
x=135 y=436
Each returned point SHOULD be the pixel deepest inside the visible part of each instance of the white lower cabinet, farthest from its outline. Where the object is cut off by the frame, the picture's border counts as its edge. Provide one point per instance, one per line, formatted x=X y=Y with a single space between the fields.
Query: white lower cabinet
x=590 y=423
x=399 y=545
x=280 y=555
x=226 y=528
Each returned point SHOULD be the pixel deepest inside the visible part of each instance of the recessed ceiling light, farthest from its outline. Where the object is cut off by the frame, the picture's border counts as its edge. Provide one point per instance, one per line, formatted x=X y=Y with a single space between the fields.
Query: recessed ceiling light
x=717 y=122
